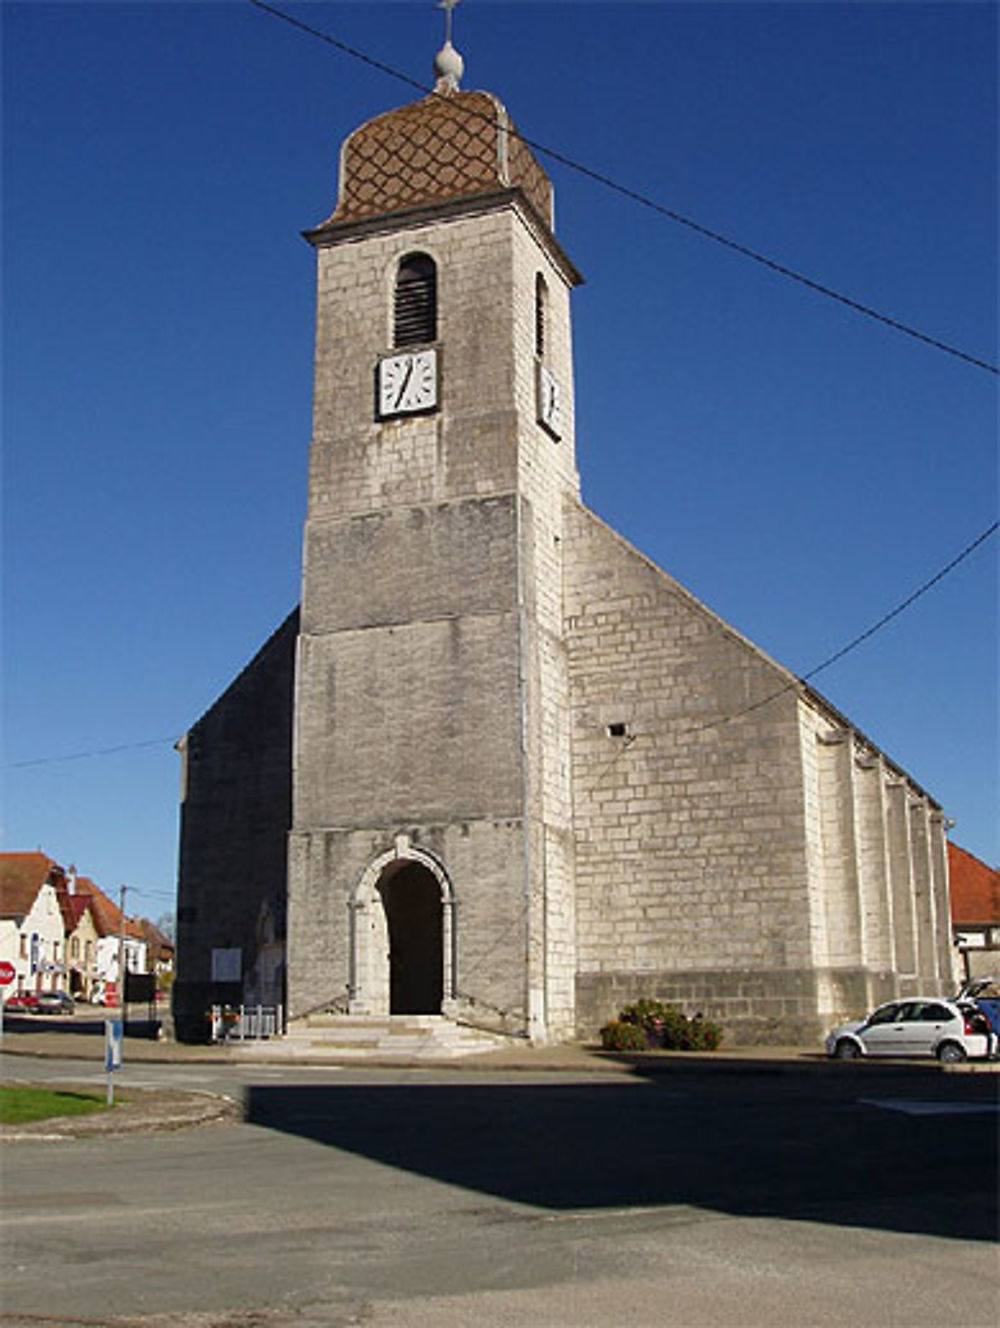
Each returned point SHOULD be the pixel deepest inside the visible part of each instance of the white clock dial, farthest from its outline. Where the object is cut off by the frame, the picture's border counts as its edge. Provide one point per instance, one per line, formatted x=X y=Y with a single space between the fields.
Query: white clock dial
x=549 y=402
x=407 y=383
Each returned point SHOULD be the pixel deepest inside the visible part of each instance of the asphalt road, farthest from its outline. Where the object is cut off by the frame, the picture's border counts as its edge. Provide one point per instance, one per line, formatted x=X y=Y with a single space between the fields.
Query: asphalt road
x=419 y=1197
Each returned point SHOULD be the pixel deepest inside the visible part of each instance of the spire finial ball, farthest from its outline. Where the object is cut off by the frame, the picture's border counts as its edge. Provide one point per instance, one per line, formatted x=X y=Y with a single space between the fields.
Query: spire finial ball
x=448 y=68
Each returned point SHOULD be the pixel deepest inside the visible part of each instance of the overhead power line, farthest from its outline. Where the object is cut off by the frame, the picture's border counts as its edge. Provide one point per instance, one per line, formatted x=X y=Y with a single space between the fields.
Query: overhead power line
x=726 y=719
x=862 y=636
x=706 y=232
x=92 y=751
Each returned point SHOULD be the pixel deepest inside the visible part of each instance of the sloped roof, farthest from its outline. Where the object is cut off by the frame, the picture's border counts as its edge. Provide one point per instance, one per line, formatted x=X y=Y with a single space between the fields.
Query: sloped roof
x=975 y=890
x=74 y=907
x=22 y=875
x=107 y=915
x=159 y=944
x=445 y=147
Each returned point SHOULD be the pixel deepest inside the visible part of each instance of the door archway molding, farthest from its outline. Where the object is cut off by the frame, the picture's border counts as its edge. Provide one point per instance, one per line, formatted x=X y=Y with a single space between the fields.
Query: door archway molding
x=368 y=983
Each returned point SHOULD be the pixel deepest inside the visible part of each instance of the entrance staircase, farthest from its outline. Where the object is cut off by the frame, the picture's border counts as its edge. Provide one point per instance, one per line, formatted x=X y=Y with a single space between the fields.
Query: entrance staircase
x=337 y=1037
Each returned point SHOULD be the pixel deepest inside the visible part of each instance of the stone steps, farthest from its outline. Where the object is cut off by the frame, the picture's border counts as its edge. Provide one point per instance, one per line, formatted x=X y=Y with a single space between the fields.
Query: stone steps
x=386 y=1037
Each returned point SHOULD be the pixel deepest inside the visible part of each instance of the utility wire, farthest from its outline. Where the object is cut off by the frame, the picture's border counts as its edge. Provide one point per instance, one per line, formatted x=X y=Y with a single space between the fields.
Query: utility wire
x=605 y=180
x=94 y=751
x=863 y=636
x=726 y=719
x=644 y=200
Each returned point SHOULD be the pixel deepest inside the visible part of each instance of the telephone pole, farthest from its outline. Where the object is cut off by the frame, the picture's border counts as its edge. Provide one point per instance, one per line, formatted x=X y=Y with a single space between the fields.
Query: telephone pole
x=121 y=954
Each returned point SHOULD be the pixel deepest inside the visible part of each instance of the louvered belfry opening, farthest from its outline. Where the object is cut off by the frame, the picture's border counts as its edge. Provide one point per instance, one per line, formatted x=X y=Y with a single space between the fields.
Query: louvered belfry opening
x=541 y=314
x=415 y=308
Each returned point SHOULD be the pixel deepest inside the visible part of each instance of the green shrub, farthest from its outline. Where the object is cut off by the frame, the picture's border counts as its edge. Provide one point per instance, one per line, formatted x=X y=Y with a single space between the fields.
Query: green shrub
x=618 y=1036
x=660 y=1026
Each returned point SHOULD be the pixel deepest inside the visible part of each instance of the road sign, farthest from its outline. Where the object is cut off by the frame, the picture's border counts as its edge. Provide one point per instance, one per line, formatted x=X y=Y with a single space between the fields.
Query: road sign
x=112 y=1044
x=7 y=973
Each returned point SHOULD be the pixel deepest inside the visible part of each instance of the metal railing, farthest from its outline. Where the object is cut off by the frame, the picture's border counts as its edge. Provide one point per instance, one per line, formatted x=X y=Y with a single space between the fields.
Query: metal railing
x=246 y=1023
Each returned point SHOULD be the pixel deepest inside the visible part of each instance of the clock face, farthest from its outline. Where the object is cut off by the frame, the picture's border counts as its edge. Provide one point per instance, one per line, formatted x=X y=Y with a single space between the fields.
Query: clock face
x=549 y=402
x=407 y=383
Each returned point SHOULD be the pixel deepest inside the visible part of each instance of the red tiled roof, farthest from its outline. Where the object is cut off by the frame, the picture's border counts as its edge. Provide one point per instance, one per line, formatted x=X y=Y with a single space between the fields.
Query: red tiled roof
x=440 y=148
x=76 y=906
x=160 y=946
x=975 y=890
x=22 y=875
x=106 y=914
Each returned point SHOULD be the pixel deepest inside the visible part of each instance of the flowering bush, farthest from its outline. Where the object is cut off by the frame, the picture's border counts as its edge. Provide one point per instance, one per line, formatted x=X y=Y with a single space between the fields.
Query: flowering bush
x=649 y=1024
x=616 y=1036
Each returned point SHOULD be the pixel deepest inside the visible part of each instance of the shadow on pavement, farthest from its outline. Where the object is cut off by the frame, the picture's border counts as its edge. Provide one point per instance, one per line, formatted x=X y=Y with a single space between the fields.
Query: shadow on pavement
x=815 y=1155
x=56 y=1025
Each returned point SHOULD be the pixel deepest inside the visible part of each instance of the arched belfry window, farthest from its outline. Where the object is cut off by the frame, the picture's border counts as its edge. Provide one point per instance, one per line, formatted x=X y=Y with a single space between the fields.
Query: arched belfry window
x=541 y=314
x=415 y=301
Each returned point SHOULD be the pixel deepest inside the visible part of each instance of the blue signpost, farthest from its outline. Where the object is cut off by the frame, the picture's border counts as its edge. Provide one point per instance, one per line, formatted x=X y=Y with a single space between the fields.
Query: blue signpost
x=113 y=1039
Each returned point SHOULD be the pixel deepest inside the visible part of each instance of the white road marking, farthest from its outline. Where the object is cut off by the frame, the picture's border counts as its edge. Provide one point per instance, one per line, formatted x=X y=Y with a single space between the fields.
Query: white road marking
x=911 y=1108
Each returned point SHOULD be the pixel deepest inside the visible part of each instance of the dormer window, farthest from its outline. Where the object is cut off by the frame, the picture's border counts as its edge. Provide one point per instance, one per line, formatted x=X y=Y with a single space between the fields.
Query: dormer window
x=415 y=302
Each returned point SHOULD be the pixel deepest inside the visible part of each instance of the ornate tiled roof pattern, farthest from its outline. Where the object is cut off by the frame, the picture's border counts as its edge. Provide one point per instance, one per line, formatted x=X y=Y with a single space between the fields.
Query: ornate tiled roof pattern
x=22 y=875
x=975 y=890
x=435 y=150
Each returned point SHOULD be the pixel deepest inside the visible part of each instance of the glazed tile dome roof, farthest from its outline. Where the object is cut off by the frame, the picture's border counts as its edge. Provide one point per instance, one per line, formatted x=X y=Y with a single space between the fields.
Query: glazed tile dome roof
x=450 y=145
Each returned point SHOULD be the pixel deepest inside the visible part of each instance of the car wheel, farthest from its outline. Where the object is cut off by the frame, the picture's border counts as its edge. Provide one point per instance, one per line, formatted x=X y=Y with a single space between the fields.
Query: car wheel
x=846 y=1050
x=950 y=1053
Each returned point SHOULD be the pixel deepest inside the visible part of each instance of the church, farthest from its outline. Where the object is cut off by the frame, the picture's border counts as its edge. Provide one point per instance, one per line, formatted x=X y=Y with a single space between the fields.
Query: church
x=498 y=767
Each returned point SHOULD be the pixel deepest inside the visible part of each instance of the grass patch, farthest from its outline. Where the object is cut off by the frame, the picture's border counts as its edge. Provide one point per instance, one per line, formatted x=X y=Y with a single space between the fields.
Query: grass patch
x=19 y=1106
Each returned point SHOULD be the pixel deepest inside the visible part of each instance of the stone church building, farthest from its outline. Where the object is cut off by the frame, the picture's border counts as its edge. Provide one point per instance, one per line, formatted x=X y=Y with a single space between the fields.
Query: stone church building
x=498 y=766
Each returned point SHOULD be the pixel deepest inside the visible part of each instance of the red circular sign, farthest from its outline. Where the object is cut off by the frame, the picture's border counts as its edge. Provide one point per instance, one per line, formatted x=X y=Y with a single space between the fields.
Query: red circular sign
x=7 y=973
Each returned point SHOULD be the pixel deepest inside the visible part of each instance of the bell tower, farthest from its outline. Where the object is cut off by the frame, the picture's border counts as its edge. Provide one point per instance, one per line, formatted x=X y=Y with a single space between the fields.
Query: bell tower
x=431 y=847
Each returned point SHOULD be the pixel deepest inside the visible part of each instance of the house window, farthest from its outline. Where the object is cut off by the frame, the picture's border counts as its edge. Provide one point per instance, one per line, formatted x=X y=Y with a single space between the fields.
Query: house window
x=415 y=302
x=24 y=947
x=541 y=314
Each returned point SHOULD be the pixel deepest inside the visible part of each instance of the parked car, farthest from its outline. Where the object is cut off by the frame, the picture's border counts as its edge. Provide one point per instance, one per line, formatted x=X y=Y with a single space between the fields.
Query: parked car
x=55 y=1002
x=920 y=1026
x=24 y=1002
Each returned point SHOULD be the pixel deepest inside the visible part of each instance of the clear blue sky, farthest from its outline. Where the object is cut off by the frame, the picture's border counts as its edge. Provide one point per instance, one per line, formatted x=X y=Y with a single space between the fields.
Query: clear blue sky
x=799 y=468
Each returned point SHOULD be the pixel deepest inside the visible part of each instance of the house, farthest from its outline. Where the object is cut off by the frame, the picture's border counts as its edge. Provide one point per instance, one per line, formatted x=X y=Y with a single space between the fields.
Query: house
x=498 y=766
x=82 y=937
x=975 y=912
x=159 y=953
x=60 y=931
x=113 y=933
x=32 y=923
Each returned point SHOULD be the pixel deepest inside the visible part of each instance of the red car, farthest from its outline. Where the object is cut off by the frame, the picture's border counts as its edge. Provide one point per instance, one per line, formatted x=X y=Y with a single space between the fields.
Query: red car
x=25 y=1002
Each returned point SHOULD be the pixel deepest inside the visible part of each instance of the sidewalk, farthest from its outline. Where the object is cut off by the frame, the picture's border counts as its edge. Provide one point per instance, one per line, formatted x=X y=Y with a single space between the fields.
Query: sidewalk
x=58 y=1038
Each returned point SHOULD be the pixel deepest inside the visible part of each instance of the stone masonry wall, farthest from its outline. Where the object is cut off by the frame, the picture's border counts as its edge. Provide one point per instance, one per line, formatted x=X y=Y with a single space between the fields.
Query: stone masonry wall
x=878 y=921
x=432 y=687
x=690 y=852
x=235 y=817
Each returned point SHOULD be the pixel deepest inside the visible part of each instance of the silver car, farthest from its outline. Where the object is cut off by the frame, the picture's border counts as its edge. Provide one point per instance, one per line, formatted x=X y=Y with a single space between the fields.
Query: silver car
x=920 y=1026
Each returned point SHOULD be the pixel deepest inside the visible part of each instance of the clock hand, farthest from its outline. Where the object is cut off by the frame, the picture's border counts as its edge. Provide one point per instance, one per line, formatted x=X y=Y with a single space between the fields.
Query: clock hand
x=406 y=383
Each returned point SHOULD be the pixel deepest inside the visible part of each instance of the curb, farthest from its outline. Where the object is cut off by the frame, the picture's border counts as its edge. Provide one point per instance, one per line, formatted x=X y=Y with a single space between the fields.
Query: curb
x=140 y=1111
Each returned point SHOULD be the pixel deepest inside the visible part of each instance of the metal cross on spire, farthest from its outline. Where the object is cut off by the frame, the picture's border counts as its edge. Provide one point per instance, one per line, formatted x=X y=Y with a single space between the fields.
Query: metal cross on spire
x=448 y=64
x=447 y=6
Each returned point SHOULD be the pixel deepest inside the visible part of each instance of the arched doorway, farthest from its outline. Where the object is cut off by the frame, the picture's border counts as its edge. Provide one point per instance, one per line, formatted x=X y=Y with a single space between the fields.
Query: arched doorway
x=411 y=897
x=402 y=935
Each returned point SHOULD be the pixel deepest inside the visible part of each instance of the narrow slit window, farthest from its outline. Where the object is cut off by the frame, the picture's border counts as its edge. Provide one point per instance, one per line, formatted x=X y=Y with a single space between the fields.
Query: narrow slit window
x=541 y=314
x=415 y=304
